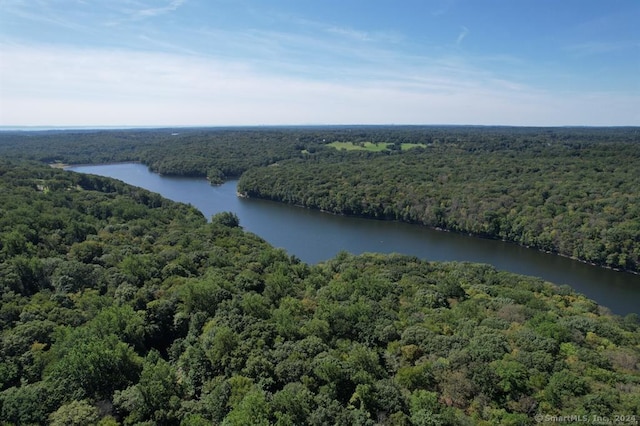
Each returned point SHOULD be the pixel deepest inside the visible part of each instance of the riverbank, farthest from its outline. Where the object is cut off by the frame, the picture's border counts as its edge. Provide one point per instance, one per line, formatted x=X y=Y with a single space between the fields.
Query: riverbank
x=245 y=195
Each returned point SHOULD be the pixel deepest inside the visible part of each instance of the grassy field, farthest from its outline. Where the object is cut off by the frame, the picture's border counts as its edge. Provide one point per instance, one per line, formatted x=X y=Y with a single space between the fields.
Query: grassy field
x=369 y=146
x=406 y=146
x=366 y=146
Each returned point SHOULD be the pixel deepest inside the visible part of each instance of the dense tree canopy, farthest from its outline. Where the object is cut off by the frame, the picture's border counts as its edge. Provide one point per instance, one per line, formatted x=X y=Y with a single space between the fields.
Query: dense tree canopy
x=216 y=154
x=121 y=307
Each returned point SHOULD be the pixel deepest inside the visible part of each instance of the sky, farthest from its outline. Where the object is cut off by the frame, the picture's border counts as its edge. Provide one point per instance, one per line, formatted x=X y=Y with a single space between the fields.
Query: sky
x=313 y=62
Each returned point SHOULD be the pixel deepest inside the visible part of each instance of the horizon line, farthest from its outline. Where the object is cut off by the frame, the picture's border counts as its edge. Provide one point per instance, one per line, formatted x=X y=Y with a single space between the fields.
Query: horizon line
x=43 y=128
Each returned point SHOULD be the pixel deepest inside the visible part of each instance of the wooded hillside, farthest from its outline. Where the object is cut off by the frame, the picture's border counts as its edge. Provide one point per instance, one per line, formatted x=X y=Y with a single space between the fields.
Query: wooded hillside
x=121 y=307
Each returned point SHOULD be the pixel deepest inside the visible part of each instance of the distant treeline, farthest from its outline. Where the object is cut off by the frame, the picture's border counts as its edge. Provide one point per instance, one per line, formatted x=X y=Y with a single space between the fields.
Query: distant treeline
x=215 y=154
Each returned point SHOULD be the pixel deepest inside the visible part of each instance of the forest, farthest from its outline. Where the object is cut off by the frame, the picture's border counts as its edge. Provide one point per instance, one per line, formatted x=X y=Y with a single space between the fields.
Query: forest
x=570 y=191
x=120 y=307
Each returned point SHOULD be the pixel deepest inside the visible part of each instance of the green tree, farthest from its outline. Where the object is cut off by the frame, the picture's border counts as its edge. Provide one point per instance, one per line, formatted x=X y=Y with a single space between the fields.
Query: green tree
x=253 y=410
x=219 y=343
x=75 y=413
x=27 y=404
x=93 y=367
x=157 y=394
x=228 y=219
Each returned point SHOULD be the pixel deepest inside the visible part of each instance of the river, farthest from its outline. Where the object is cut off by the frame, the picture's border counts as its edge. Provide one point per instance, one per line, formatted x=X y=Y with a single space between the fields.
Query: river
x=314 y=236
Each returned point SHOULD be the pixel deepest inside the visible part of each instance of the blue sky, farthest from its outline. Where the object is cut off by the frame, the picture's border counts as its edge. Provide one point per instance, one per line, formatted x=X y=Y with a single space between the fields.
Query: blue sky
x=254 y=62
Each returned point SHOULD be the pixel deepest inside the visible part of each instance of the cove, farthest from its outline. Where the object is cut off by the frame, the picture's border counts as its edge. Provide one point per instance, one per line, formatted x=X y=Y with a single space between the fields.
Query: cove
x=313 y=236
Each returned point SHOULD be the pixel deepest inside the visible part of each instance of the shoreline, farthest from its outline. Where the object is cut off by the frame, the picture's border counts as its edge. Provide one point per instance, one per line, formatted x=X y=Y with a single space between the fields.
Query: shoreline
x=441 y=229
x=64 y=166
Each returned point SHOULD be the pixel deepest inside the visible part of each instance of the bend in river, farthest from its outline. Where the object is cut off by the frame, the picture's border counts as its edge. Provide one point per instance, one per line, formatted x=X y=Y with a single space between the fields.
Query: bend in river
x=314 y=236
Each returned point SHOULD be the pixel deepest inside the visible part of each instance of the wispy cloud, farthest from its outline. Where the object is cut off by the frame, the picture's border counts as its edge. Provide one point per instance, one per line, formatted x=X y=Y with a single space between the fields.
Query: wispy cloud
x=350 y=33
x=364 y=36
x=319 y=54
x=155 y=11
x=463 y=33
x=42 y=14
x=81 y=15
x=122 y=11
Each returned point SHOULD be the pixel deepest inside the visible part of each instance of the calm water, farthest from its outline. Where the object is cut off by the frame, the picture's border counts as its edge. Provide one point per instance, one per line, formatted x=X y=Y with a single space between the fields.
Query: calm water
x=313 y=236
